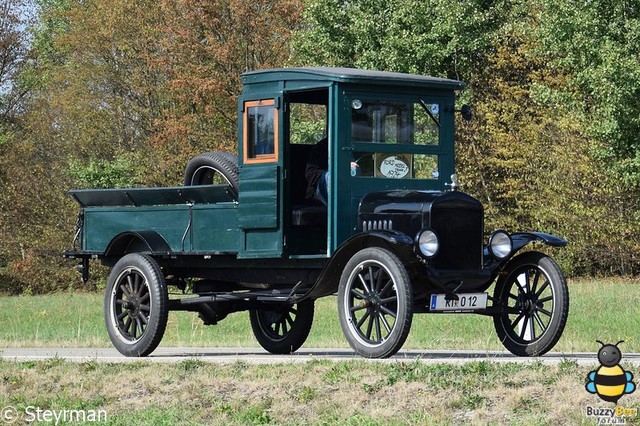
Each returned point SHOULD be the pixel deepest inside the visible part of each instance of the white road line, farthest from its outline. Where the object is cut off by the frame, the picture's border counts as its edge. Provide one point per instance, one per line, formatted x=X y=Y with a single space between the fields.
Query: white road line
x=259 y=356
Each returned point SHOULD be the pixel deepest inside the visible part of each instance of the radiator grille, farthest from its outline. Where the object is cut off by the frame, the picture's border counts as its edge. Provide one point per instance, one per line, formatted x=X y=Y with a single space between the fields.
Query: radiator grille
x=459 y=232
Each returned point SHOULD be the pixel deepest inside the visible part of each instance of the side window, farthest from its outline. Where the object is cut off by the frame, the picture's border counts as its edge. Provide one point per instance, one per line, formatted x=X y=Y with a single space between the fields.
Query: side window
x=260 y=132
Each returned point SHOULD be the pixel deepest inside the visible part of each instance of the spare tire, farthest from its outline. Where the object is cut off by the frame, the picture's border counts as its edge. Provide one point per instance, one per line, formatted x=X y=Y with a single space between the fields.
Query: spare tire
x=212 y=168
x=229 y=156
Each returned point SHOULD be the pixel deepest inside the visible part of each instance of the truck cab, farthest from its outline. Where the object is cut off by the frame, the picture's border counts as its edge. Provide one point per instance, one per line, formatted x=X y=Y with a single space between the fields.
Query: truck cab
x=391 y=236
x=399 y=135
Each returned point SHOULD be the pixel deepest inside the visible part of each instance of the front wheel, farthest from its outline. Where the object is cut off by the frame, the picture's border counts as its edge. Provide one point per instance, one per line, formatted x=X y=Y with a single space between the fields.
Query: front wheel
x=375 y=302
x=284 y=330
x=135 y=305
x=534 y=298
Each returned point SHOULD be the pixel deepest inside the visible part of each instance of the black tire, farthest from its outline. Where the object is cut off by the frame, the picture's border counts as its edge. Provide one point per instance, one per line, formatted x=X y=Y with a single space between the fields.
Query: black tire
x=213 y=167
x=375 y=303
x=535 y=301
x=136 y=305
x=284 y=330
x=233 y=158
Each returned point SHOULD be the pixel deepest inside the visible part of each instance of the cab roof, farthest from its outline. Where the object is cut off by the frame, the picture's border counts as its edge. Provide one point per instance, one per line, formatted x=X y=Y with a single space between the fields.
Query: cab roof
x=348 y=75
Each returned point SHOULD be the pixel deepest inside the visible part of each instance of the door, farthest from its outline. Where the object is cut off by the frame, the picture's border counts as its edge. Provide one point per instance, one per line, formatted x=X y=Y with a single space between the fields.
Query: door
x=259 y=200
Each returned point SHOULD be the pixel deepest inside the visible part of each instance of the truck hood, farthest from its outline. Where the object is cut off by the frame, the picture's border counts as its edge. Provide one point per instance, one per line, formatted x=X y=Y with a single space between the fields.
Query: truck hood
x=408 y=202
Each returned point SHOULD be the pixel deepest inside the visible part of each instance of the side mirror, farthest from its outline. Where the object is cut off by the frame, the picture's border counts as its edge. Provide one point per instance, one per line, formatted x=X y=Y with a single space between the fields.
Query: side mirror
x=465 y=111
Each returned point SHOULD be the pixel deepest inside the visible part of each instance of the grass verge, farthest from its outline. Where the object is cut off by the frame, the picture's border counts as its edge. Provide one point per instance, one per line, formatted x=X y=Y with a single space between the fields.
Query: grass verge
x=314 y=393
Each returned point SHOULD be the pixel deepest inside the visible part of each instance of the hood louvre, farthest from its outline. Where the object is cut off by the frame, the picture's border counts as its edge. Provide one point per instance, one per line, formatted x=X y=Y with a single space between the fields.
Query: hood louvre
x=374 y=225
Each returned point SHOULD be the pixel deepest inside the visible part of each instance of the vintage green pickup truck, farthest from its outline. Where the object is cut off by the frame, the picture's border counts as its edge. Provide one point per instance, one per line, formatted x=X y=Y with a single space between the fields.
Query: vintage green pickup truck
x=396 y=236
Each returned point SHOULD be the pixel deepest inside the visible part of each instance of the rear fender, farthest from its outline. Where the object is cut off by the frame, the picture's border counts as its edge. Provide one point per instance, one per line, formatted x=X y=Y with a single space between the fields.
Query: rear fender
x=149 y=242
x=397 y=242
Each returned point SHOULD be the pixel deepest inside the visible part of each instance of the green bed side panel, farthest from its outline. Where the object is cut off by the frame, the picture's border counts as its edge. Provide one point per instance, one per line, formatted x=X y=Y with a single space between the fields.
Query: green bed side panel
x=215 y=229
x=102 y=224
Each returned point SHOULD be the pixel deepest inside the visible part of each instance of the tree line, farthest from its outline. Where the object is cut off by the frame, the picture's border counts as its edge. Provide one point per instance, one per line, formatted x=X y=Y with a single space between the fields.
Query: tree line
x=124 y=92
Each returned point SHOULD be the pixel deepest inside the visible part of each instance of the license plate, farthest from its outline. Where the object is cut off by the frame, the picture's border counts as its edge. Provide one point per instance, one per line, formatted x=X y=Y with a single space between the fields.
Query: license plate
x=465 y=302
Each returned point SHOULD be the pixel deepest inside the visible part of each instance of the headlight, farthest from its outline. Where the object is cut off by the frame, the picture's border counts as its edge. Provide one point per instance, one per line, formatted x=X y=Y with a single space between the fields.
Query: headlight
x=428 y=243
x=500 y=244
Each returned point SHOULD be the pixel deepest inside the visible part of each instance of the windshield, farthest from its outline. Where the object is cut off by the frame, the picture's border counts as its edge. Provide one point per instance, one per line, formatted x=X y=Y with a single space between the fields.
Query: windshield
x=410 y=122
x=396 y=122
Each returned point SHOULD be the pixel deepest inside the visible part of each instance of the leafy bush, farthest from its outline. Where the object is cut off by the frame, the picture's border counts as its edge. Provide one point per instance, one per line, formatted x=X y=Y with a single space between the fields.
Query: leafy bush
x=118 y=173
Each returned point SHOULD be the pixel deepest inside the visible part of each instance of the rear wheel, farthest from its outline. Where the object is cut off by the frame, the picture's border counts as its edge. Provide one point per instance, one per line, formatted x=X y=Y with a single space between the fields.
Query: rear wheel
x=535 y=301
x=135 y=305
x=283 y=330
x=375 y=302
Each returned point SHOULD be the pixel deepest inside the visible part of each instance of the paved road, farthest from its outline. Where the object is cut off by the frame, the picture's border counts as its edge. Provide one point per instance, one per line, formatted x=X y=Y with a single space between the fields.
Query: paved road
x=259 y=356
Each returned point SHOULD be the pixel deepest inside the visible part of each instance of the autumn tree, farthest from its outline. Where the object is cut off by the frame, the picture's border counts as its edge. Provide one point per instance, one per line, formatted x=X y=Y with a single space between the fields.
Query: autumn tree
x=14 y=53
x=125 y=93
x=207 y=45
x=14 y=87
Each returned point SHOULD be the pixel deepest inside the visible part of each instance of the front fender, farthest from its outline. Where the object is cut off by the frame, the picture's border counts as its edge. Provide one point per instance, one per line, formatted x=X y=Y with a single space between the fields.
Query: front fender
x=399 y=243
x=521 y=239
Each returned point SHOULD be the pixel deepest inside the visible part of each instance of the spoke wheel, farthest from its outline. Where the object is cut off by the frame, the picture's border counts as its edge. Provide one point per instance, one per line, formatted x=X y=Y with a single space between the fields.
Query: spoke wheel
x=375 y=303
x=136 y=305
x=284 y=330
x=535 y=304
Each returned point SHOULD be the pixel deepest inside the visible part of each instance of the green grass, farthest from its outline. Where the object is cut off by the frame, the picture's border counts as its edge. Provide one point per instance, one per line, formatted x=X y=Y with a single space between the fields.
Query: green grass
x=599 y=309
x=312 y=393
x=318 y=392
